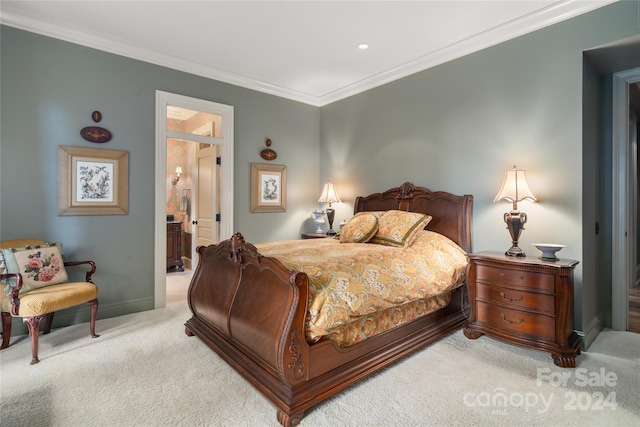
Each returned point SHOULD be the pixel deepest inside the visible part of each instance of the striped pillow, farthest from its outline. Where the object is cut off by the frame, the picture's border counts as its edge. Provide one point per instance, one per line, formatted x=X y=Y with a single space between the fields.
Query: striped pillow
x=399 y=228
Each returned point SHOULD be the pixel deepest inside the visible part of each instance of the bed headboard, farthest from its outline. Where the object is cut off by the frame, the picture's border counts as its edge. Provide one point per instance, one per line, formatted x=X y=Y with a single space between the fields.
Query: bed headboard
x=451 y=214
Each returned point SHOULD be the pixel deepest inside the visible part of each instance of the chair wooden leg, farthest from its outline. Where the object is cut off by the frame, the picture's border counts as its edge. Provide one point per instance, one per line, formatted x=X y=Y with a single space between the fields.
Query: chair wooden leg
x=6 y=329
x=48 y=323
x=94 y=311
x=34 y=325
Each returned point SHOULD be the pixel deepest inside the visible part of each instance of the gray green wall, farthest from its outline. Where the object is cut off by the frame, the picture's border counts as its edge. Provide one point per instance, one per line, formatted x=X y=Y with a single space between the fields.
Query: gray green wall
x=456 y=127
x=49 y=89
x=459 y=126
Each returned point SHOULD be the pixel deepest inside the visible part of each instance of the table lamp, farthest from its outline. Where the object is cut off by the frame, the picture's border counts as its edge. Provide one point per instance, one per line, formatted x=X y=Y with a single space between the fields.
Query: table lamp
x=329 y=195
x=515 y=189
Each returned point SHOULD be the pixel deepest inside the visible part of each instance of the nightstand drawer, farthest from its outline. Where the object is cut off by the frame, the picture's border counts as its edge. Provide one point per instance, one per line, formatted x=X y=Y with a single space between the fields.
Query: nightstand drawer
x=538 y=325
x=523 y=279
x=544 y=303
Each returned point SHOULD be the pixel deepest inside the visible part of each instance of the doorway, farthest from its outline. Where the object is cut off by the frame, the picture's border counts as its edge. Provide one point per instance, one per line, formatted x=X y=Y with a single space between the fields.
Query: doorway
x=183 y=201
x=633 y=324
x=624 y=194
x=193 y=180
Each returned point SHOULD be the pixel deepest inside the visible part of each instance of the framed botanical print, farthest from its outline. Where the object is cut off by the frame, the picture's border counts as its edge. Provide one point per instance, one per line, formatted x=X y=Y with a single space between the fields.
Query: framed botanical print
x=268 y=188
x=92 y=181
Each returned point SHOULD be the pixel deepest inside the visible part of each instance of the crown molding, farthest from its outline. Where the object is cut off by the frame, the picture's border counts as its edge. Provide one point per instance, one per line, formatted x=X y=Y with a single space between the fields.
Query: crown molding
x=551 y=15
x=534 y=21
x=130 y=51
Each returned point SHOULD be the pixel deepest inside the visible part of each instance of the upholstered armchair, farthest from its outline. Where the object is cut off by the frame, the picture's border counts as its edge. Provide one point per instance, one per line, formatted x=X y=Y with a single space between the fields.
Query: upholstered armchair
x=35 y=285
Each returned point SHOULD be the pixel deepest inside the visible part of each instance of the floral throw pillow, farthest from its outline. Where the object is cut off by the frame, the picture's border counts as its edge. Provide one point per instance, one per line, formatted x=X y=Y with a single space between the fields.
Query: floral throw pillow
x=360 y=228
x=40 y=266
x=399 y=228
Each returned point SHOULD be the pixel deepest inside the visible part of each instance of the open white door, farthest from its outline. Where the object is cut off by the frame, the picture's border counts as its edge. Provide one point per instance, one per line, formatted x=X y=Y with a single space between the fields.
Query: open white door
x=220 y=137
x=205 y=226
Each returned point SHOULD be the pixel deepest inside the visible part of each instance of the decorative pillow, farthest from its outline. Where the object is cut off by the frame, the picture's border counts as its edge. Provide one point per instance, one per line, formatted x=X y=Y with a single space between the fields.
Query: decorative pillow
x=360 y=228
x=40 y=266
x=399 y=228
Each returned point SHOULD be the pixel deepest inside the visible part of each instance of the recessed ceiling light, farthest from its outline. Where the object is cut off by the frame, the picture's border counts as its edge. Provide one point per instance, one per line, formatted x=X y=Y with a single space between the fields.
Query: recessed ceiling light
x=363 y=46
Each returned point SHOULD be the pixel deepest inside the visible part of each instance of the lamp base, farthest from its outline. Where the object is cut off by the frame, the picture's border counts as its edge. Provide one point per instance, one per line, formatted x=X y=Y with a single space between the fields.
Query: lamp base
x=330 y=216
x=515 y=223
x=515 y=251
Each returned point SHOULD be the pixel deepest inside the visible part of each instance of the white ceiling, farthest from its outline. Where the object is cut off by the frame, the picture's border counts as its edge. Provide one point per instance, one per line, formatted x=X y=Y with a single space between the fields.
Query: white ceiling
x=301 y=50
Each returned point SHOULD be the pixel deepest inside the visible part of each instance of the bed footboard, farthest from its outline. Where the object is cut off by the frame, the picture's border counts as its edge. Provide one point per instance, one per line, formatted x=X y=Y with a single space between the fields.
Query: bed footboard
x=250 y=310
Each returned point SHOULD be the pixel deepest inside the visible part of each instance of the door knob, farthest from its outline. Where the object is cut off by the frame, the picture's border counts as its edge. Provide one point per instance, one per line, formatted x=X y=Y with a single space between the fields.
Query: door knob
x=194 y=222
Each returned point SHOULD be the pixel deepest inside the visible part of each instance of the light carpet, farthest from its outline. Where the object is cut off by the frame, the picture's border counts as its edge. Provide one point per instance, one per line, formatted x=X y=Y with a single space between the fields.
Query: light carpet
x=144 y=371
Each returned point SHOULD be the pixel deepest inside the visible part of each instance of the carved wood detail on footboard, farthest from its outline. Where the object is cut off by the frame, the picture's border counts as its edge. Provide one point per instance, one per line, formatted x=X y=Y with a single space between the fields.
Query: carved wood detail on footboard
x=253 y=309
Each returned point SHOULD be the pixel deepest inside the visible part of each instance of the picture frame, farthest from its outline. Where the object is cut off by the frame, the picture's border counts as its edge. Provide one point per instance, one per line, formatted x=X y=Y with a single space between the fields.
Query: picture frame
x=92 y=181
x=268 y=188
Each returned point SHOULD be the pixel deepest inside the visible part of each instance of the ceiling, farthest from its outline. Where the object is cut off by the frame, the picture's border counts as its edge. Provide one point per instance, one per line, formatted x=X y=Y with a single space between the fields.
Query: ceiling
x=301 y=50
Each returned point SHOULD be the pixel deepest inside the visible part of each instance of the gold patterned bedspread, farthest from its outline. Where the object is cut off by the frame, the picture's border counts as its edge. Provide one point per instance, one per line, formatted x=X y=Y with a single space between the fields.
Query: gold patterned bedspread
x=349 y=280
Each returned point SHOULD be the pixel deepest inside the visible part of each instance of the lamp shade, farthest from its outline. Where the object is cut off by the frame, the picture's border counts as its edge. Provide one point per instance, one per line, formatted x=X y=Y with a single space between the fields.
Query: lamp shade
x=178 y=170
x=515 y=188
x=329 y=194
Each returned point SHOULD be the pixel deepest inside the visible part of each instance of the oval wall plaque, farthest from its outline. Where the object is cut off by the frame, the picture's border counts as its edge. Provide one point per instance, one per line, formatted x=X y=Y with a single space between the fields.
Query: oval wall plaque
x=95 y=134
x=268 y=154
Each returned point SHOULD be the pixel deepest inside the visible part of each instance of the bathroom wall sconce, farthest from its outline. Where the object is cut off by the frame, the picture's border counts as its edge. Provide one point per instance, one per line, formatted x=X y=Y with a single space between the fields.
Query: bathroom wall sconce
x=176 y=177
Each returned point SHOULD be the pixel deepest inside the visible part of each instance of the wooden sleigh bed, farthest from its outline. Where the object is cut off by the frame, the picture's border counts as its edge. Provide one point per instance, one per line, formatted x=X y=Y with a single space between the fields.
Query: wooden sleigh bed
x=251 y=310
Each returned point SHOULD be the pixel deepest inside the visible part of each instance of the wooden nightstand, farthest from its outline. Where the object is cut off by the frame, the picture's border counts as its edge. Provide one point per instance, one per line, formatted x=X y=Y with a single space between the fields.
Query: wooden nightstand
x=524 y=301
x=314 y=236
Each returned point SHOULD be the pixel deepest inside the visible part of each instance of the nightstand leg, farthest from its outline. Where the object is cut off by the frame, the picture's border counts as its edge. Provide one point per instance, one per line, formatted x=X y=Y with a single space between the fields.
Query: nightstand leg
x=564 y=361
x=470 y=333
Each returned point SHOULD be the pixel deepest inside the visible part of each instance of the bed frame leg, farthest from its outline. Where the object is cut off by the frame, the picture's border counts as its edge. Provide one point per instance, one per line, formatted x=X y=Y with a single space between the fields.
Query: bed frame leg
x=289 y=420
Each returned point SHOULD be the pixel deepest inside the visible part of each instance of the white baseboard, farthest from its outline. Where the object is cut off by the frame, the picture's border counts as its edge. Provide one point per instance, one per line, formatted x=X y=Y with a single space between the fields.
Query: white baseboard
x=591 y=331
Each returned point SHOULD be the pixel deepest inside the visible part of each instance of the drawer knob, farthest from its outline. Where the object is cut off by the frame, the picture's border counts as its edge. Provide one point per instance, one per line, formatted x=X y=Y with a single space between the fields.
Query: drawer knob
x=501 y=274
x=521 y=277
x=504 y=297
x=511 y=321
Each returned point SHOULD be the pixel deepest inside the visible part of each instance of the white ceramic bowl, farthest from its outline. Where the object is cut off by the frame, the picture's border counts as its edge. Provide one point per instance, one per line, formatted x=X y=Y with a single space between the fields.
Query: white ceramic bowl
x=548 y=250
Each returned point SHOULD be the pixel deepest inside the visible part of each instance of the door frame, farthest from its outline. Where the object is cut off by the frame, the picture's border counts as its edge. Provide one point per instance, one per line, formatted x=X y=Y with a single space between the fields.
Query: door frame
x=621 y=265
x=163 y=99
